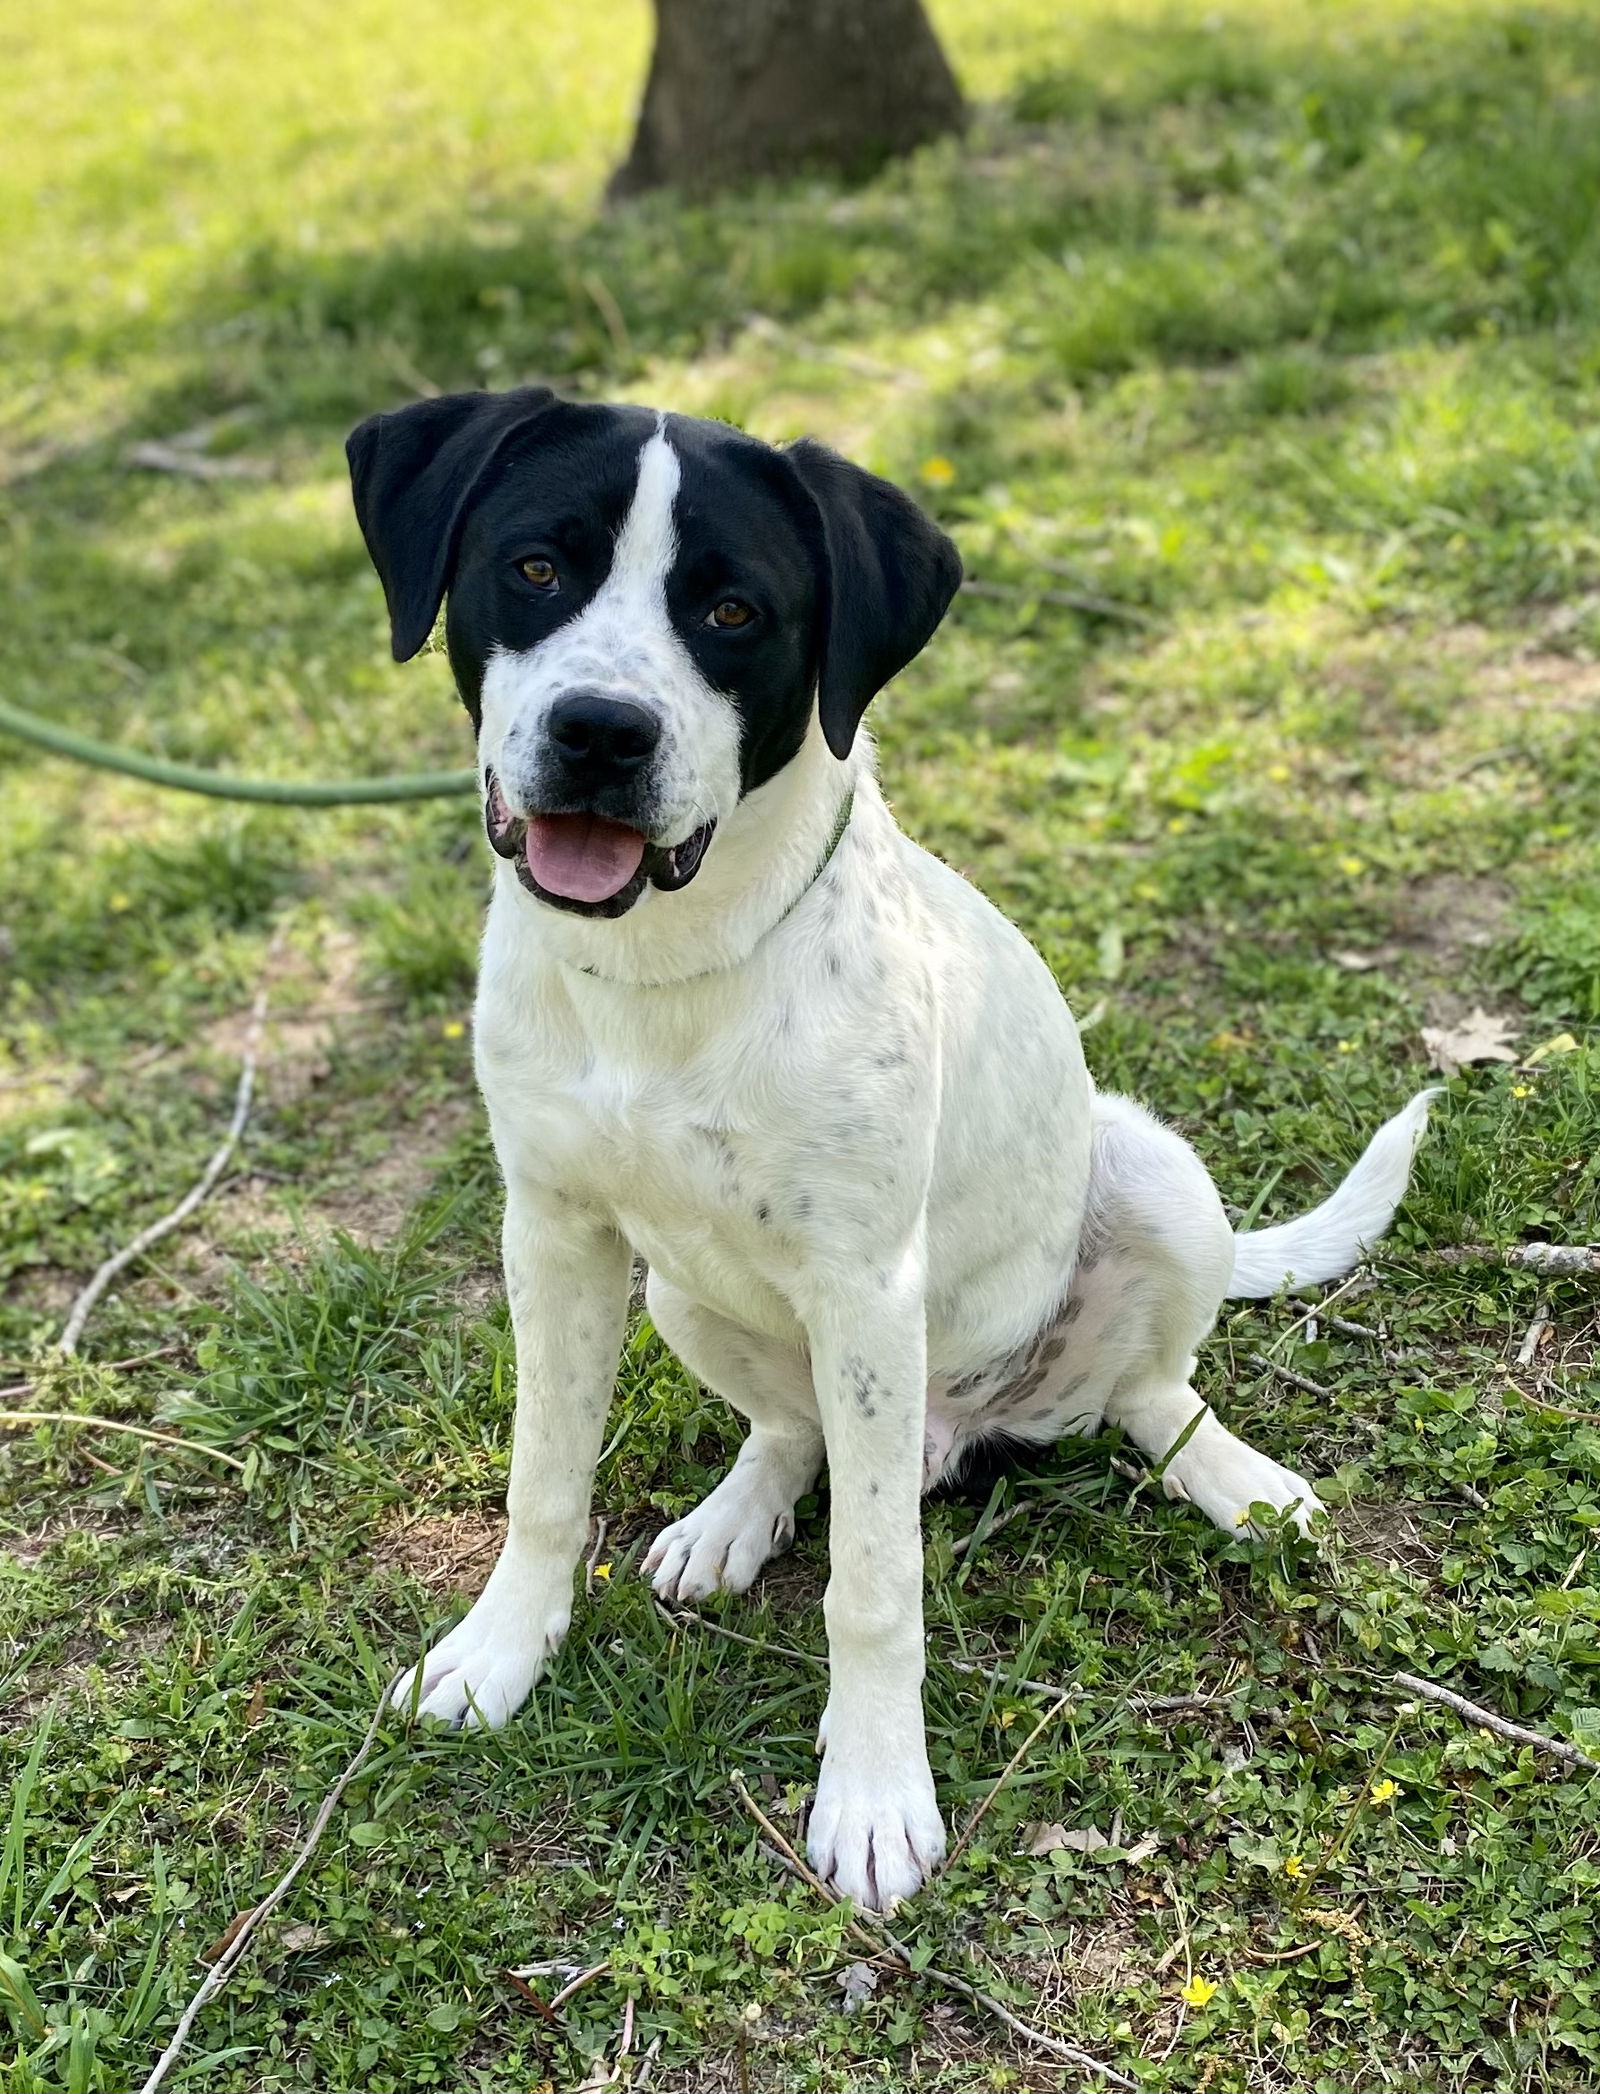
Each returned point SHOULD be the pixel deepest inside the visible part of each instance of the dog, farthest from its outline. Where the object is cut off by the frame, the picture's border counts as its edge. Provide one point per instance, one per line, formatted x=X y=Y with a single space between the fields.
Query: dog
x=732 y=1021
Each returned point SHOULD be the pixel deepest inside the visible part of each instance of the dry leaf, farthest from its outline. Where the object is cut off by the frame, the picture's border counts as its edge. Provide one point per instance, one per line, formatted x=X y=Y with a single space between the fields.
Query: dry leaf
x=1046 y=1839
x=299 y=1938
x=229 y=1935
x=1142 y=1852
x=1479 y=1037
x=1357 y=962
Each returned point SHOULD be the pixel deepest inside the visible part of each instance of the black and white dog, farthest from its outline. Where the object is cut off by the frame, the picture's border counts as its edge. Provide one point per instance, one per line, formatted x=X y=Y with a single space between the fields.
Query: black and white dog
x=731 y=1019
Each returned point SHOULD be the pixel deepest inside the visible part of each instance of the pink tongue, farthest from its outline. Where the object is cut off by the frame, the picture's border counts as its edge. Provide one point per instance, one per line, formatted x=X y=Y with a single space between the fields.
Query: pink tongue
x=582 y=857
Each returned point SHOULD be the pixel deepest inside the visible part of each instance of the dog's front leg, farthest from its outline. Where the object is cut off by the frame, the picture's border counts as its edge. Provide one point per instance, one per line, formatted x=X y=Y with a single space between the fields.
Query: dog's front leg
x=875 y=1830
x=567 y=1285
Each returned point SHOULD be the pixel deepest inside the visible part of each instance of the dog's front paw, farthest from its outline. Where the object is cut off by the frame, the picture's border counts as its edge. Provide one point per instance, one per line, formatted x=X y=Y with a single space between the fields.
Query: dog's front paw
x=479 y=1675
x=876 y=1836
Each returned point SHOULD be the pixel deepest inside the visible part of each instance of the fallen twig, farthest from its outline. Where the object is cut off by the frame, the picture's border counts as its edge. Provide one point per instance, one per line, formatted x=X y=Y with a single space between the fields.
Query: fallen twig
x=1012 y=1512
x=902 y=1955
x=1533 y=1336
x=9 y=1419
x=228 y=1961
x=1561 y=1410
x=195 y=465
x=1353 y=1330
x=1140 y=1704
x=1355 y=1283
x=1474 y=1712
x=1061 y=1702
x=1555 y=1260
x=72 y=1329
x=592 y=1562
x=686 y=1616
x=1066 y=599
x=534 y=1999
x=584 y=1977
x=1295 y=1381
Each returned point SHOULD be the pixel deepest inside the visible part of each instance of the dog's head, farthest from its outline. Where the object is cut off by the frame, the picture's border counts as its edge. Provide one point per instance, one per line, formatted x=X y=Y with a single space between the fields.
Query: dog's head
x=644 y=611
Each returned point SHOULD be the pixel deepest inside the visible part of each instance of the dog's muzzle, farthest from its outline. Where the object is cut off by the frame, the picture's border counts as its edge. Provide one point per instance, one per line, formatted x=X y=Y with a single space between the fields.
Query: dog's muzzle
x=585 y=863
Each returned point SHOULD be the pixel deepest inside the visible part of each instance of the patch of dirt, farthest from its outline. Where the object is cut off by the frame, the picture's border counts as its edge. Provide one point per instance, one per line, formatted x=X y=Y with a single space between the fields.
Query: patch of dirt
x=1438 y=925
x=1392 y=1533
x=373 y=1205
x=448 y=1552
x=298 y=1036
x=30 y=1549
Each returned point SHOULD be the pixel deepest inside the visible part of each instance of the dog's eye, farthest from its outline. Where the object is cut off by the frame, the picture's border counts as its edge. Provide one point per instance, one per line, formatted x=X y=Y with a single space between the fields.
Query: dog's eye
x=730 y=614
x=541 y=573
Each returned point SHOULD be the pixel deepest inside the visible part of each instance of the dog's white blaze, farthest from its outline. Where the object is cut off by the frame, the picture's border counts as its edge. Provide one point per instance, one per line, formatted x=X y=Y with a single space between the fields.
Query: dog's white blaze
x=647 y=544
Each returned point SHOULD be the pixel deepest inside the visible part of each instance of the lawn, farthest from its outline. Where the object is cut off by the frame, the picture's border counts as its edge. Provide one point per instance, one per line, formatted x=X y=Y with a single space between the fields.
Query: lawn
x=1253 y=358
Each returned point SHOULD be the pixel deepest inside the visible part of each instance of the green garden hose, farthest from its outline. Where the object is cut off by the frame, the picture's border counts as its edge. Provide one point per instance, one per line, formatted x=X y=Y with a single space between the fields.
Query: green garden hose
x=218 y=785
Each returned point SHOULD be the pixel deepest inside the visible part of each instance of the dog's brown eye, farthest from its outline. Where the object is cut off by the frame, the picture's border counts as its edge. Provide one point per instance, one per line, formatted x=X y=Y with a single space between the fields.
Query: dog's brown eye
x=541 y=573
x=730 y=613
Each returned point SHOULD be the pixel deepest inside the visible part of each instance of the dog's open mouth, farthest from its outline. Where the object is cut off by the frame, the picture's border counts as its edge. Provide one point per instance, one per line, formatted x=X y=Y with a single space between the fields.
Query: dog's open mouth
x=585 y=863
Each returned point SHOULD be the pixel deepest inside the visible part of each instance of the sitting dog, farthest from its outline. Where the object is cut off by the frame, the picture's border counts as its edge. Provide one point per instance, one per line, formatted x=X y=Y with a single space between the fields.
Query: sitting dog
x=731 y=1020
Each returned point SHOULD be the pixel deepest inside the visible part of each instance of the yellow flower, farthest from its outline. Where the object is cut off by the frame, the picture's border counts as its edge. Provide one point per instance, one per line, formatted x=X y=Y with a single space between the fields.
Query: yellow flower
x=1293 y=1865
x=1199 y=1992
x=1520 y=1090
x=602 y=1570
x=937 y=471
x=1385 y=1791
x=1347 y=1046
x=1278 y=773
x=119 y=902
x=1352 y=866
x=452 y=1028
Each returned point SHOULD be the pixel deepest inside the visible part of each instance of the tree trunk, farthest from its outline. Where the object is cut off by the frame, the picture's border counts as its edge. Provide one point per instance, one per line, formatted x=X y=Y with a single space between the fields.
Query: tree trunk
x=739 y=89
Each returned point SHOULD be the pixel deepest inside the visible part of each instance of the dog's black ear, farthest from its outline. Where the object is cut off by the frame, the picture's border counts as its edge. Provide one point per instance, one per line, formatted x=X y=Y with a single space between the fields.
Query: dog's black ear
x=413 y=473
x=891 y=573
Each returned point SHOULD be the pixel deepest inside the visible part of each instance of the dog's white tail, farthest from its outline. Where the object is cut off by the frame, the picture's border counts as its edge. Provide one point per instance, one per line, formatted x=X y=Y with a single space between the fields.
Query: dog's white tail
x=1324 y=1244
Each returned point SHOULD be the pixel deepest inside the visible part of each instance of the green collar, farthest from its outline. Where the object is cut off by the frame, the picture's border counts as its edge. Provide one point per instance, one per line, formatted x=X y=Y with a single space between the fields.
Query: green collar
x=841 y=822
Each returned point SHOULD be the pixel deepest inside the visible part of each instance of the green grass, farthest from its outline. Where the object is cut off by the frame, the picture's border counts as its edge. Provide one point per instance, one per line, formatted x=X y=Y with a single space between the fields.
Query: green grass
x=1274 y=330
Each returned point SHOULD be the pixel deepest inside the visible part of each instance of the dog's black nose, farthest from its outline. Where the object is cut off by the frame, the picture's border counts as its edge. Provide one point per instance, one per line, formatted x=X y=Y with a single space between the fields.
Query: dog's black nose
x=595 y=733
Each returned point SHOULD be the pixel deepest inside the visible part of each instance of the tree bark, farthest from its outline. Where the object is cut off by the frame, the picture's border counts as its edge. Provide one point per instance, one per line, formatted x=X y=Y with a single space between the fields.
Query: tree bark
x=740 y=89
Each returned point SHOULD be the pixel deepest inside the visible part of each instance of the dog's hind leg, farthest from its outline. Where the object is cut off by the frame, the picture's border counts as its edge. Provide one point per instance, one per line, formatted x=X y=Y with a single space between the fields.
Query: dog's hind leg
x=723 y=1543
x=1158 y=1230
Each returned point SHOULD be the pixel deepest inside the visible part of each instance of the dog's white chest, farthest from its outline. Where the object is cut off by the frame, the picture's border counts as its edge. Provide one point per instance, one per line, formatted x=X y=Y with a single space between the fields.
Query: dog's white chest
x=672 y=1156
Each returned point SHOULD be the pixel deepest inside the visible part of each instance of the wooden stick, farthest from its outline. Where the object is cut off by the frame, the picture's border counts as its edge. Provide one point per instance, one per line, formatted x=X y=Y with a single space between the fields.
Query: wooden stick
x=1360 y=1278
x=1560 y=1410
x=1475 y=1712
x=1295 y=1381
x=584 y=1977
x=229 y=1960
x=139 y=1432
x=1004 y=1519
x=679 y=1616
x=1062 y=1701
x=78 y=1316
x=902 y=1954
x=1557 y=1260
x=1140 y=1704
x=1067 y=599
